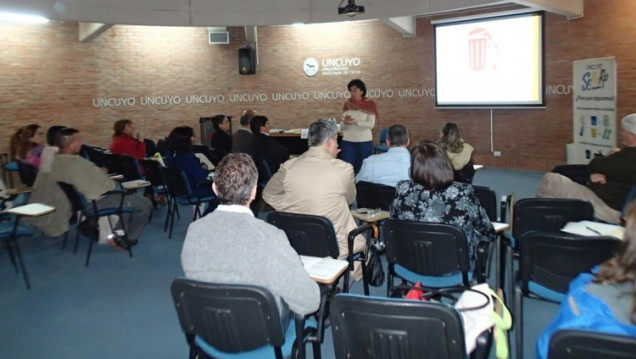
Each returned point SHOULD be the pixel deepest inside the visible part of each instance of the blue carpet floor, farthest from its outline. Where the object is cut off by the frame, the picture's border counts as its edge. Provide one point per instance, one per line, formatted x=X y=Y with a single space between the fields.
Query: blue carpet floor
x=121 y=307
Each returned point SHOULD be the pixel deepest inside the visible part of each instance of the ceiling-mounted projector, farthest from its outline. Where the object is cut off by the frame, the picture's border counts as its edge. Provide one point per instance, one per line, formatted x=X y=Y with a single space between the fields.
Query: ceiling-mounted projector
x=351 y=9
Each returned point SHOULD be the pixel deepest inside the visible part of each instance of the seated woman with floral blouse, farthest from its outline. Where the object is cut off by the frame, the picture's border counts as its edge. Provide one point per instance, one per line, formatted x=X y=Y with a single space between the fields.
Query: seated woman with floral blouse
x=432 y=196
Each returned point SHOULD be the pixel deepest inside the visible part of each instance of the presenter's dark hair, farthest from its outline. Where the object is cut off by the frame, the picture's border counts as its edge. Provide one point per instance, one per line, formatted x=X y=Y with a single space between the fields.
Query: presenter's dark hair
x=320 y=131
x=51 y=134
x=217 y=121
x=120 y=126
x=452 y=139
x=430 y=166
x=234 y=178
x=359 y=84
x=398 y=135
x=257 y=122
x=180 y=139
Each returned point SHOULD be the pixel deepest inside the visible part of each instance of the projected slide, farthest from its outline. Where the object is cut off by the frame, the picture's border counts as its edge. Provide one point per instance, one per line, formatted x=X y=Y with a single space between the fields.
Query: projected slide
x=491 y=62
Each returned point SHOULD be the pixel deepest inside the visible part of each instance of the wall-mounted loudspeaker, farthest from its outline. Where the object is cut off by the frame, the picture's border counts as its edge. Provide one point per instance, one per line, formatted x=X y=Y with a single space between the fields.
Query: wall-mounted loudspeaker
x=247 y=61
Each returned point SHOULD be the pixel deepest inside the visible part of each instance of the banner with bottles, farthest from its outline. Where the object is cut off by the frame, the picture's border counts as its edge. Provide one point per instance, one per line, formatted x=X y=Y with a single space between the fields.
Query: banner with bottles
x=594 y=111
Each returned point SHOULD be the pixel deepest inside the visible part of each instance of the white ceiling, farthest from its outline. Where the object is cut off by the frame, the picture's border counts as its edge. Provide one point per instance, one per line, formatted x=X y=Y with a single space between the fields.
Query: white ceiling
x=255 y=12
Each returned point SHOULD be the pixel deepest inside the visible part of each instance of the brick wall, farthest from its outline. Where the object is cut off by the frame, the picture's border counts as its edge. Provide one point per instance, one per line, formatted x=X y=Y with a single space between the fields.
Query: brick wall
x=48 y=77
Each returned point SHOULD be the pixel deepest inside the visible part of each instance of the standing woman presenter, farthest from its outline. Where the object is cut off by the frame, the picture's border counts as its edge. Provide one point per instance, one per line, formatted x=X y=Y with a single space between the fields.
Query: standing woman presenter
x=358 y=118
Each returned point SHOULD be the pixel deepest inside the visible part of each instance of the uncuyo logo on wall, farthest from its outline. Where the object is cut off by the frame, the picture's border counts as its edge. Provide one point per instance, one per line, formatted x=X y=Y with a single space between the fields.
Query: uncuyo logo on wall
x=310 y=66
x=338 y=66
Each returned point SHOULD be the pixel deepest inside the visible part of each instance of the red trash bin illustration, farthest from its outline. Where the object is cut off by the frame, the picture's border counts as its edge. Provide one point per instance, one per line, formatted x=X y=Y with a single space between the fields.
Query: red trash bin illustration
x=477 y=48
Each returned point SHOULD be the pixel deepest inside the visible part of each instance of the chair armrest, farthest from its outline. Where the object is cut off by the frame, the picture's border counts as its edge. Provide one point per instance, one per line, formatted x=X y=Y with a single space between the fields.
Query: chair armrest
x=354 y=233
x=484 y=248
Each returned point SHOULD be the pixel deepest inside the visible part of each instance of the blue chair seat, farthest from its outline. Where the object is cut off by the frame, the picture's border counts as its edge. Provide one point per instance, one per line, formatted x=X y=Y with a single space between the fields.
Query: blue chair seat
x=11 y=166
x=449 y=280
x=7 y=227
x=264 y=352
x=545 y=293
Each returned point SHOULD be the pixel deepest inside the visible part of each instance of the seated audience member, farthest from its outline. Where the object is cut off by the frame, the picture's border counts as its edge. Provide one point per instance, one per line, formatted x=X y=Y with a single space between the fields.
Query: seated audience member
x=93 y=182
x=459 y=153
x=392 y=166
x=125 y=142
x=242 y=138
x=180 y=155
x=611 y=178
x=231 y=246
x=221 y=140
x=266 y=147
x=432 y=196
x=26 y=144
x=49 y=151
x=318 y=183
x=604 y=301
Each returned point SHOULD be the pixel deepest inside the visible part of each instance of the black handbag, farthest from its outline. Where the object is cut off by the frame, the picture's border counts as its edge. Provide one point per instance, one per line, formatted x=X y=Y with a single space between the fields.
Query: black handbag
x=374 y=271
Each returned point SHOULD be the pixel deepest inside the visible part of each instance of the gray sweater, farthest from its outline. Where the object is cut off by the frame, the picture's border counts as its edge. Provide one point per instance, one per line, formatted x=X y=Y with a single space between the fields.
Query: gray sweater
x=235 y=248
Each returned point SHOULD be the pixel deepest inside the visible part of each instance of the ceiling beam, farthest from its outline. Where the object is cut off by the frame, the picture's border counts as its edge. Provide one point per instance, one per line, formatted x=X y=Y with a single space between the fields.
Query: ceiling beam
x=569 y=8
x=404 y=24
x=90 y=30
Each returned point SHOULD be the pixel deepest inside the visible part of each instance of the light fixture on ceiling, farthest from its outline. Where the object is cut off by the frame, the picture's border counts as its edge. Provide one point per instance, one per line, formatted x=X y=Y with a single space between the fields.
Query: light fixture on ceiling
x=22 y=18
x=351 y=9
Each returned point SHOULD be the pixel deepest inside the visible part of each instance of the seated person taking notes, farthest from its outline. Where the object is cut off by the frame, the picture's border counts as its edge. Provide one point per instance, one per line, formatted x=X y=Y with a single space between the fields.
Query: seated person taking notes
x=392 y=166
x=231 y=246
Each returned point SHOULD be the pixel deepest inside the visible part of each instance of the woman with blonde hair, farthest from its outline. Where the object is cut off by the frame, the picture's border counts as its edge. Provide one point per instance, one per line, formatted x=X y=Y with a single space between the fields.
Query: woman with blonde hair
x=459 y=152
x=604 y=301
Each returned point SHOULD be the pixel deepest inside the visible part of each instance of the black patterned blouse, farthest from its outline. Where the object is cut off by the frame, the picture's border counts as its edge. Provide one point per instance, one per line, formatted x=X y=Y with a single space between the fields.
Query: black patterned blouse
x=455 y=205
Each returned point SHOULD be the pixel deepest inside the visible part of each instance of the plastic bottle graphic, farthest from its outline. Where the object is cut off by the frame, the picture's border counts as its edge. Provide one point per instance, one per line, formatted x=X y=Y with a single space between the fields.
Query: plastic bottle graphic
x=477 y=48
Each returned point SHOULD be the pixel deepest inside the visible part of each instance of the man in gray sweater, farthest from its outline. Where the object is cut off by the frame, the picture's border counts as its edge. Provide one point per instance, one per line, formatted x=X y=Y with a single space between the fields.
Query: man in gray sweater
x=230 y=246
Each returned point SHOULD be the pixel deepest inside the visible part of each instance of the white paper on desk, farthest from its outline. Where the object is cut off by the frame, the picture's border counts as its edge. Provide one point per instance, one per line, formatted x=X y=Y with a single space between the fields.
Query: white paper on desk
x=322 y=268
x=135 y=184
x=31 y=209
x=590 y=229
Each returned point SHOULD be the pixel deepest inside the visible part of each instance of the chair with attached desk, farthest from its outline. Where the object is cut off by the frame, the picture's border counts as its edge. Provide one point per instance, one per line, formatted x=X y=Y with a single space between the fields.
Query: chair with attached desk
x=181 y=193
x=236 y=321
x=94 y=154
x=387 y=328
x=577 y=344
x=548 y=262
x=542 y=215
x=10 y=232
x=315 y=236
x=127 y=166
x=434 y=254
x=153 y=171
x=92 y=214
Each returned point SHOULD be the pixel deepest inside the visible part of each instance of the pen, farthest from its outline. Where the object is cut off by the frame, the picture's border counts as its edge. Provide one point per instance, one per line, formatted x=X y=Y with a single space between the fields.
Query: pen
x=594 y=230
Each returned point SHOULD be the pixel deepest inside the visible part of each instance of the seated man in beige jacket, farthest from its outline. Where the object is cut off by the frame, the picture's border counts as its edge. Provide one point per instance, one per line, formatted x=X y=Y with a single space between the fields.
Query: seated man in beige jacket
x=319 y=184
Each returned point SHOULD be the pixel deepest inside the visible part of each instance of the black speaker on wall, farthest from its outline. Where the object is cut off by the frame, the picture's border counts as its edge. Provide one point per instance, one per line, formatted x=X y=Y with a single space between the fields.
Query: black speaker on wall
x=247 y=61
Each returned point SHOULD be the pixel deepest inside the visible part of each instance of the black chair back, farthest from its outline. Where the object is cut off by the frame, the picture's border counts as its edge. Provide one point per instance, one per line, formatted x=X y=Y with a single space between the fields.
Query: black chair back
x=27 y=173
x=431 y=249
x=553 y=260
x=230 y=318
x=308 y=234
x=127 y=166
x=153 y=172
x=577 y=173
x=373 y=195
x=488 y=200
x=385 y=328
x=547 y=214
x=151 y=147
x=93 y=154
x=577 y=344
